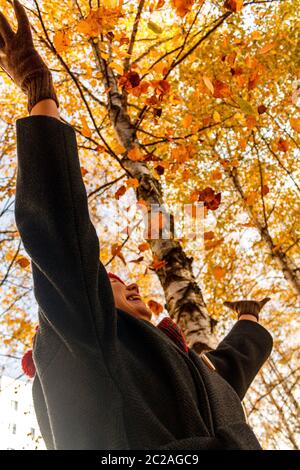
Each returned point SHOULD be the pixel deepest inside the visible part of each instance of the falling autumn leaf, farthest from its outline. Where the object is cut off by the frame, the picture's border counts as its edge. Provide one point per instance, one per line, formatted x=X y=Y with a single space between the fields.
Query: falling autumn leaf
x=155 y=307
x=23 y=262
x=120 y=192
x=85 y=128
x=143 y=246
x=157 y=263
x=116 y=251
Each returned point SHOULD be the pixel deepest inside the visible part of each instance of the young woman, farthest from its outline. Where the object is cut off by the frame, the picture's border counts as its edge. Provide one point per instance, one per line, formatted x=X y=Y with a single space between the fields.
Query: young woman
x=105 y=376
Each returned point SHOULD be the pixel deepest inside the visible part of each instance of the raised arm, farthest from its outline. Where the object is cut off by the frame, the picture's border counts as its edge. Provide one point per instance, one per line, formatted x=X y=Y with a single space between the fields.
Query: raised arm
x=51 y=211
x=242 y=353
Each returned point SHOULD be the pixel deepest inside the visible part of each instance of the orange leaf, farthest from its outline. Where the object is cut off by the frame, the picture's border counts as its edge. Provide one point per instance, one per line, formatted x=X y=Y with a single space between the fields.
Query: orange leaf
x=251 y=122
x=117 y=67
x=143 y=246
x=221 y=89
x=265 y=190
x=132 y=183
x=85 y=128
x=234 y=5
x=295 y=123
x=208 y=235
x=135 y=154
x=157 y=263
x=61 y=41
x=155 y=307
x=122 y=190
x=283 y=145
x=160 y=4
x=267 y=48
x=182 y=6
x=251 y=198
x=23 y=262
x=187 y=121
x=208 y=244
x=219 y=272
x=116 y=251
x=216 y=175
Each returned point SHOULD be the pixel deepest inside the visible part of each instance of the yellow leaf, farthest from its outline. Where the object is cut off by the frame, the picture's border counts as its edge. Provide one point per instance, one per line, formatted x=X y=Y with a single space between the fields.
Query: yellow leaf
x=256 y=34
x=208 y=84
x=117 y=67
x=216 y=117
x=117 y=148
x=245 y=106
x=154 y=27
x=110 y=3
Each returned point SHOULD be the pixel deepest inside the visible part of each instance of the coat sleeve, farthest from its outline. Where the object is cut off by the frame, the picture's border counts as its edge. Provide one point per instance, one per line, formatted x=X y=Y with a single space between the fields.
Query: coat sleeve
x=241 y=354
x=71 y=285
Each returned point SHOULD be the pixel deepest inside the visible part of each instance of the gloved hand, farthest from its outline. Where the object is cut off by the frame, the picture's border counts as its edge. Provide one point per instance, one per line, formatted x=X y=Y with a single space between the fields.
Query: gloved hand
x=20 y=60
x=244 y=307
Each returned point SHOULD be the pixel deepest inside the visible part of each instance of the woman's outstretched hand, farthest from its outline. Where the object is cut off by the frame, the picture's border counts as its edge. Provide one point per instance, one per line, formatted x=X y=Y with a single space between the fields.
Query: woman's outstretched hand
x=20 y=60
x=247 y=307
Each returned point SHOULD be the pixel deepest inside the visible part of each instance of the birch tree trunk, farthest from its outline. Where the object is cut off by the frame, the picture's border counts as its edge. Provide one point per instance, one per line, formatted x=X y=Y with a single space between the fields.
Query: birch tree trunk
x=184 y=300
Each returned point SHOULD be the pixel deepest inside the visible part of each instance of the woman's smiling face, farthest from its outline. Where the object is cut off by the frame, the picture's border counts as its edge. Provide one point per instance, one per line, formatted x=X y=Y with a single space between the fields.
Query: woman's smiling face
x=127 y=298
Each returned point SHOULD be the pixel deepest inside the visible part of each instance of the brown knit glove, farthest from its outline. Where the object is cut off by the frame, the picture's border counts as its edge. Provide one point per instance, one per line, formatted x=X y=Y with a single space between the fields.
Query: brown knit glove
x=247 y=307
x=22 y=62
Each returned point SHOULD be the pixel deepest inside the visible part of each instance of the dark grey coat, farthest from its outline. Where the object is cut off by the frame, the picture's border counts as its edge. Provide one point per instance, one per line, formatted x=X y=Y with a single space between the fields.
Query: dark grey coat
x=105 y=379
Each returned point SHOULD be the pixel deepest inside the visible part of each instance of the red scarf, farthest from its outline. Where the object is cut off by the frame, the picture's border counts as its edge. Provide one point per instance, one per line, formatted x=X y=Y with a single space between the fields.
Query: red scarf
x=171 y=329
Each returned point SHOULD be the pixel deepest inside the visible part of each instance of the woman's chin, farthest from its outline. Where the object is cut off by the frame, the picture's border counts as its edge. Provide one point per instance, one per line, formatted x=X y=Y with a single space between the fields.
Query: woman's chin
x=140 y=310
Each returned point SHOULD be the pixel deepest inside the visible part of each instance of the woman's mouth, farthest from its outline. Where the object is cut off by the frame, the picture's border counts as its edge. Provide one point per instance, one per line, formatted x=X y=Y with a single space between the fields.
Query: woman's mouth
x=134 y=297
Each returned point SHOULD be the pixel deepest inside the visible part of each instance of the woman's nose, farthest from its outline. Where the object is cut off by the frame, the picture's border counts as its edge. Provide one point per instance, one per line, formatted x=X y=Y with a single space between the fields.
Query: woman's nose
x=133 y=286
